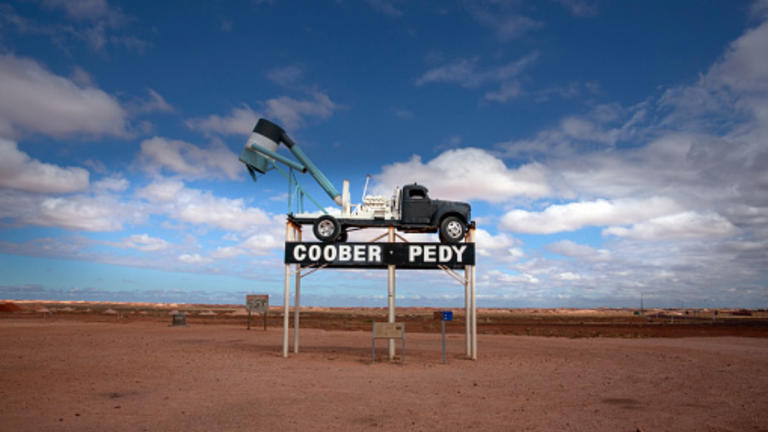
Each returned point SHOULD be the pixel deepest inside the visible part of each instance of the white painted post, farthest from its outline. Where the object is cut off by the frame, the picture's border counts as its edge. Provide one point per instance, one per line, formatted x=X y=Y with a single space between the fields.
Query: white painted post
x=286 y=294
x=474 y=314
x=391 y=295
x=297 y=306
x=467 y=312
x=474 y=299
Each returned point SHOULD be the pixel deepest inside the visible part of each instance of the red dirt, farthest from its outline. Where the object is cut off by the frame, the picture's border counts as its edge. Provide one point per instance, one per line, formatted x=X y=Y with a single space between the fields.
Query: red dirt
x=9 y=307
x=71 y=375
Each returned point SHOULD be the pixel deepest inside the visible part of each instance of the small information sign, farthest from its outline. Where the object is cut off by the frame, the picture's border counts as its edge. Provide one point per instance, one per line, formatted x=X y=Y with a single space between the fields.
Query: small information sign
x=257 y=303
x=388 y=331
x=447 y=315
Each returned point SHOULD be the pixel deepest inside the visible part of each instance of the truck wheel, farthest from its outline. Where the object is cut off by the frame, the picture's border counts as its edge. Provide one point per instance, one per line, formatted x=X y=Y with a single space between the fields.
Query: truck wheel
x=452 y=230
x=326 y=229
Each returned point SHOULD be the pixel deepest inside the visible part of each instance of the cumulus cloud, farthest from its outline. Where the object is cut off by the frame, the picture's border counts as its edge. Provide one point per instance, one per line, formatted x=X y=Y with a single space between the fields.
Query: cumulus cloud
x=291 y=113
x=179 y=157
x=465 y=174
x=21 y=172
x=144 y=242
x=677 y=226
x=199 y=207
x=38 y=101
x=499 y=246
x=240 y=121
x=84 y=213
x=575 y=250
x=223 y=252
x=193 y=259
x=576 y=215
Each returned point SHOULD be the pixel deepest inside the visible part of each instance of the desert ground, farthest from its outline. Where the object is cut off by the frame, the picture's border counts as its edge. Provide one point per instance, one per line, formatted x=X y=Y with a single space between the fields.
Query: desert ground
x=121 y=367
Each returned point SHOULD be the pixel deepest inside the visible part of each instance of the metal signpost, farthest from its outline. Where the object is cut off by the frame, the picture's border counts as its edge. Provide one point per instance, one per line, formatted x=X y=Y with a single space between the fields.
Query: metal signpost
x=444 y=316
x=257 y=303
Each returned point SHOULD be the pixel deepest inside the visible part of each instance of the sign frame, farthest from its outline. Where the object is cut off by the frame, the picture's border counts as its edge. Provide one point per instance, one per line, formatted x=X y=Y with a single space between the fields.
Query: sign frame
x=379 y=255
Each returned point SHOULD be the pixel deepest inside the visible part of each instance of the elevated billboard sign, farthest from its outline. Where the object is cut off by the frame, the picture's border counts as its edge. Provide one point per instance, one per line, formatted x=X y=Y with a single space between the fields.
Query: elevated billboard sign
x=379 y=255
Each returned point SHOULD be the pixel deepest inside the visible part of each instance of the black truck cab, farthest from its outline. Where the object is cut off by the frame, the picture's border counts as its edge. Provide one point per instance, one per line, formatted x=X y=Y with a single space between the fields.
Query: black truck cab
x=420 y=213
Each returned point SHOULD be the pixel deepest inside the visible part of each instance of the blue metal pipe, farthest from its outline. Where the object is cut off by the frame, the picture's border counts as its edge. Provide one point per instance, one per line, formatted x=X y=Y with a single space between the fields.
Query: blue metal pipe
x=321 y=179
x=259 y=149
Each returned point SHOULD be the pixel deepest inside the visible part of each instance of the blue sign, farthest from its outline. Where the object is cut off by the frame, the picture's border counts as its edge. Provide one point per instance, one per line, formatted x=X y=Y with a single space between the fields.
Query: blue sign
x=447 y=315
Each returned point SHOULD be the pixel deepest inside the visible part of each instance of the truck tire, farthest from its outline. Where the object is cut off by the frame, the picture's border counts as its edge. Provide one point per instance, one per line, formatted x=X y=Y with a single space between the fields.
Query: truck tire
x=452 y=230
x=326 y=229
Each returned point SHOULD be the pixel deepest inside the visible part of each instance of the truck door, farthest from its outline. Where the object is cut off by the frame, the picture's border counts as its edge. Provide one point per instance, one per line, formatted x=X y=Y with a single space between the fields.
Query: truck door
x=417 y=207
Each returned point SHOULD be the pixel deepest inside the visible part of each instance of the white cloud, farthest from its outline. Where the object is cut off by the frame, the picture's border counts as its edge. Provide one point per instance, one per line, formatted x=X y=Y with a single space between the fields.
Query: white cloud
x=467 y=73
x=289 y=112
x=84 y=213
x=263 y=243
x=180 y=157
x=193 y=259
x=202 y=207
x=569 y=276
x=144 y=242
x=223 y=252
x=111 y=184
x=292 y=113
x=502 y=278
x=240 y=121
x=499 y=246
x=576 y=215
x=464 y=174
x=38 y=101
x=21 y=172
x=153 y=103
x=677 y=226
x=575 y=250
x=744 y=66
x=286 y=75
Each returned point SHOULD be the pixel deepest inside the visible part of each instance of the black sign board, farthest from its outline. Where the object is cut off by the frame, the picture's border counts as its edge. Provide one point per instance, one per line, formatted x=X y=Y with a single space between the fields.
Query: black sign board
x=379 y=255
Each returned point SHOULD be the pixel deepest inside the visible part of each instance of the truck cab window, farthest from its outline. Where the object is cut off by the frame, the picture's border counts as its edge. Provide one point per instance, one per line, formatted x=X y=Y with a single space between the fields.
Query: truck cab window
x=416 y=194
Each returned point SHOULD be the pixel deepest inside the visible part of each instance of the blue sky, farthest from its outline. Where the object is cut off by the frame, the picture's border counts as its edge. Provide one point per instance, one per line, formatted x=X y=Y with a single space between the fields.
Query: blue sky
x=609 y=149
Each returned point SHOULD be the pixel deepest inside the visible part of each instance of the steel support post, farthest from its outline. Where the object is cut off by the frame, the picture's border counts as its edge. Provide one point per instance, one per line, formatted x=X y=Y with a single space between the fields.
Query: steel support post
x=297 y=300
x=286 y=294
x=391 y=295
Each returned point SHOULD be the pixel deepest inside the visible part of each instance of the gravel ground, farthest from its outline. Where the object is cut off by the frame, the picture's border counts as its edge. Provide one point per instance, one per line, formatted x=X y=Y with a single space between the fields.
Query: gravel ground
x=146 y=376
